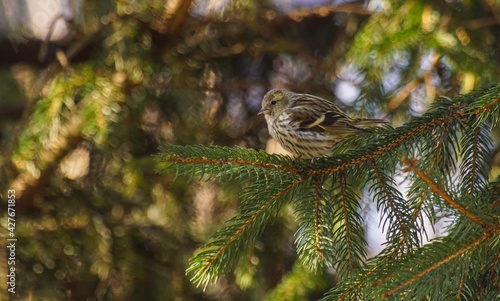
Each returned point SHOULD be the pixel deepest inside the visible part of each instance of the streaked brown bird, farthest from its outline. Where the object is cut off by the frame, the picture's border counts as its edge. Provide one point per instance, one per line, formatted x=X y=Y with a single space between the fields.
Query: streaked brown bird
x=307 y=125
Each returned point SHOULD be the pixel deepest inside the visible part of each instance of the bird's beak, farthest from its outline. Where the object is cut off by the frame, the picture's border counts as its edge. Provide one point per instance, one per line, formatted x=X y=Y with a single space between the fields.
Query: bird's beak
x=264 y=110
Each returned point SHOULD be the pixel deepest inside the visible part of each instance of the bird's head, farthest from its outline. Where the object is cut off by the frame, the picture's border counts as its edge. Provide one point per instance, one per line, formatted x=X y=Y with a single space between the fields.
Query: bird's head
x=275 y=102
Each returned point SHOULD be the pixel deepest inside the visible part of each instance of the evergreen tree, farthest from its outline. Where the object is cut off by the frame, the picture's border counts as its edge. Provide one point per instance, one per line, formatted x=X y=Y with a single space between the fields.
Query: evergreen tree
x=452 y=137
x=81 y=121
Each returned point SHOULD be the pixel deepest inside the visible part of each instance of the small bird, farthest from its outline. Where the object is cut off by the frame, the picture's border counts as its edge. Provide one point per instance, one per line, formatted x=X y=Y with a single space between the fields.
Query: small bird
x=306 y=125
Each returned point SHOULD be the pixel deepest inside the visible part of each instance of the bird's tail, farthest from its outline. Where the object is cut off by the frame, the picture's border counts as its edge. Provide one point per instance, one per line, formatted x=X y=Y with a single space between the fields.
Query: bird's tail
x=369 y=121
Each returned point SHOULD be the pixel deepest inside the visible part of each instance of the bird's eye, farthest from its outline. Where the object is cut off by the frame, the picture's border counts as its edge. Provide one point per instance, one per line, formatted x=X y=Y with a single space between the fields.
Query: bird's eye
x=273 y=102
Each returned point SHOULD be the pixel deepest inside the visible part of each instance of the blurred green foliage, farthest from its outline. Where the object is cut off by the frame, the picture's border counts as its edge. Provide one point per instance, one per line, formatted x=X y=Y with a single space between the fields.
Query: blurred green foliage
x=95 y=222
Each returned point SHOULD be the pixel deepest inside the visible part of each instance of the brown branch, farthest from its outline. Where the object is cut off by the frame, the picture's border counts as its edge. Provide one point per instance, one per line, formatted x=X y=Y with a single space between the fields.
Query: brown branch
x=486 y=108
x=391 y=204
x=481 y=23
x=186 y=160
x=443 y=194
x=171 y=20
x=391 y=145
x=474 y=164
x=494 y=10
x=414 y=215
x=248 y=222
x=438 y=148
x=461 y=285
x=346 y=222
x=486 y=236
x=326 y=10
x=402 y=94
x=297 y=15
x=316 y=217
x=25 y=184
x=405 y=92
x=495 y=273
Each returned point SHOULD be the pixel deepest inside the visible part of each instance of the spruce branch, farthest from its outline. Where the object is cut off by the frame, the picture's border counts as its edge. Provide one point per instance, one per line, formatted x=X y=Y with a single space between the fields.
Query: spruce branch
x=486 y=236
x=487 y=107
x=313 y=209
x=214 y=258
x=476 y=144
x=394 y=209
x=400 y=278
x=346 y=217
x=218 y=161
x=444 y=195
x=474 y=162
x=316 y=218
x=324 y=194
x=461 y=285
x=392 y=142
x=444 y=150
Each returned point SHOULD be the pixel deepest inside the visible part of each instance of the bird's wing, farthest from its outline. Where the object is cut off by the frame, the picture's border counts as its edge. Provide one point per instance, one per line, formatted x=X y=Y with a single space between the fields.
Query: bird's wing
x=321 y=119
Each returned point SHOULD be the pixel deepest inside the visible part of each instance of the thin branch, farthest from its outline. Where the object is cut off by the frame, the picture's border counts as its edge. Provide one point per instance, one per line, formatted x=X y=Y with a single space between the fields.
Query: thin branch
x=486 y=236
x=494 y=10
x=461 y=285
x=247 y=223
x=443 y=194
x=357 y=284
x=474 y=163
x=397 y=100
x=42 y=53
x=186 y=160
x=439 y=144
x=414 y=215
x=495 y=276
x=405 y=92
x=481 y=23
x=326 y=10
x=346 y=221
x=179 y=16
x=297 y=15
x=391 y=203
x=316 y=217
x=486 y=108
x=396 y=142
